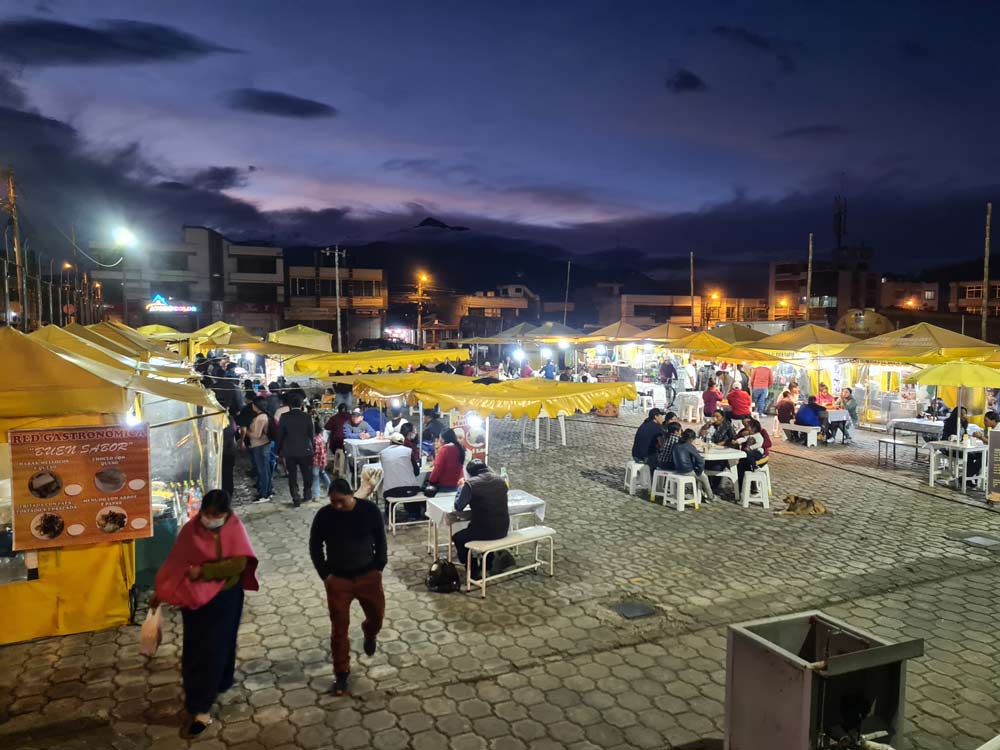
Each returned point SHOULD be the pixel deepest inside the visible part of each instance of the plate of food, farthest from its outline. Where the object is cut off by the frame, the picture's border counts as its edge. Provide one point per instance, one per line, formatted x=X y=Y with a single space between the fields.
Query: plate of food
x=112 y=519
x=47 y=526
x=109 y=479
x=44 y=484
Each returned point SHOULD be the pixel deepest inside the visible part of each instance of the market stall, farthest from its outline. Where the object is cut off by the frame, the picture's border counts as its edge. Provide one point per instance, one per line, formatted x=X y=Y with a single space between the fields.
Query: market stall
x=323 y=366
x=75 y=440
x=303 y=337
x=737 y=334
x=809 y=355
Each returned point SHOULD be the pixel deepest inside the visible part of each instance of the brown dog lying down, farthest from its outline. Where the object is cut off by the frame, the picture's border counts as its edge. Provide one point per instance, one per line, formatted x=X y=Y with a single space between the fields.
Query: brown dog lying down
x=802 y=506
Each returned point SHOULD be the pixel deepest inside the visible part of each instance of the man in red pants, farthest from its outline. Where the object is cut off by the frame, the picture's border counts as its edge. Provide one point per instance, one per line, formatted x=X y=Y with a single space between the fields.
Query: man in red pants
x=348 y=549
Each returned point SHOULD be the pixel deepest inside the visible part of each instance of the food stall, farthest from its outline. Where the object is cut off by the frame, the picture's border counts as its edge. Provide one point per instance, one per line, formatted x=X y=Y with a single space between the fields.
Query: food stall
x=304 y=337
x=75 y=437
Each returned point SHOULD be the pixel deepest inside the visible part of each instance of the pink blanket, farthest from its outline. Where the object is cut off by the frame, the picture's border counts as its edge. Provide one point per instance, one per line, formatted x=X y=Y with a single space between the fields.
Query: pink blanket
x=195 y=545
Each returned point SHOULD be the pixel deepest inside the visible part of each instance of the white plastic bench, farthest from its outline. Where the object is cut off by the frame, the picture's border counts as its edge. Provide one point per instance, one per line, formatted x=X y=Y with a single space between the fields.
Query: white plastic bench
x=536 y=534
x=808 y=431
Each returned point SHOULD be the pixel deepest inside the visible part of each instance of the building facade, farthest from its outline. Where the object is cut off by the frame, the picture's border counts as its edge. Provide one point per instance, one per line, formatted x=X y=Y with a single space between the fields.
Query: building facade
x=967 y=297
x=649 y=310
x=364 y=301
x=192 y=283
x=909 y=295
x=839 y=283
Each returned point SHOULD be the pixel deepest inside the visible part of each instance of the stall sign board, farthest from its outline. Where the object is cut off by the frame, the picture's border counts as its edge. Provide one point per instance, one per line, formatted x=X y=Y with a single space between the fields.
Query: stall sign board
x=80 y=485
x=476 y=440
x=993 y=467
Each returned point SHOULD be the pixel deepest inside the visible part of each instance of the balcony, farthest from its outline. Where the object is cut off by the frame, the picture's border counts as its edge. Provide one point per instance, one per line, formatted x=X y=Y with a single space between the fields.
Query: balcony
x=346 y=303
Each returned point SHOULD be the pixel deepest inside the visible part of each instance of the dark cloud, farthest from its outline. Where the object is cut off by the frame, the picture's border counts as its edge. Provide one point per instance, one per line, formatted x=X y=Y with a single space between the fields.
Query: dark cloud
x=39 y=41
x=278 y=104
x=684 y=81
x=747 y=39
x=220 y=178
x=914 y=50
x=818 y=131
x=11 y=93
x=429 y=167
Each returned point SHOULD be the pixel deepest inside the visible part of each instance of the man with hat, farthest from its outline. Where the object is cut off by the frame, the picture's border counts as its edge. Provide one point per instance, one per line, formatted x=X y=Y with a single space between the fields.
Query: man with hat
x=739 y=402
x=396 y=421
x=357 y=428
x=400 y=474
x=432 y=427
x=647 y=437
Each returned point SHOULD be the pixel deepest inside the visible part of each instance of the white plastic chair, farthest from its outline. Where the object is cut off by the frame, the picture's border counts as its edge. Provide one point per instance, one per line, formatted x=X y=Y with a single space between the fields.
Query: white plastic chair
x=676 y=490
x=636 y=477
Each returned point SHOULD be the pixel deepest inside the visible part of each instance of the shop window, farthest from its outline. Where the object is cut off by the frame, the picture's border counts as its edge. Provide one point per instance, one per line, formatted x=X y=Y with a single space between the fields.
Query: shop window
x=974 y=292
x=931 y=295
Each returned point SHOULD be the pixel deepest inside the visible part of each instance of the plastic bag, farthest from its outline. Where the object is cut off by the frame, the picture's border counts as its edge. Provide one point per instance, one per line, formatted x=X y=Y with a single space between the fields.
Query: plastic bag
x=152 y=632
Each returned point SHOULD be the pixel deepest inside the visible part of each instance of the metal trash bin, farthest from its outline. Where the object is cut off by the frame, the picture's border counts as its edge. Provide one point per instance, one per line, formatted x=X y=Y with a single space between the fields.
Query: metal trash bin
x=809 y=681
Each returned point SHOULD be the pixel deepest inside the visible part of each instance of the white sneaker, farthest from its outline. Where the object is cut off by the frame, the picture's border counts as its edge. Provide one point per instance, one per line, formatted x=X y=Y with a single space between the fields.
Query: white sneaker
x=260 y=500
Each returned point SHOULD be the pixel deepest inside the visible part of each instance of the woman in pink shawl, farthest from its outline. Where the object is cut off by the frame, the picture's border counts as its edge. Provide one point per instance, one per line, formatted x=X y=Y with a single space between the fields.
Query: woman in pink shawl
x=210 y=565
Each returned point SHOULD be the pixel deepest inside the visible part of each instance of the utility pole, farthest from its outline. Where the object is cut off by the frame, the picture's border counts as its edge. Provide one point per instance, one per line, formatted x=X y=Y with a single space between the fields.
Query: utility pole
x=809 y=276
x=38 y=288
x=21 y=286
x=692 y=290
x=420 y=297
x=986 y=270
x=52 y=318
x=566 y=298
x=336 y=292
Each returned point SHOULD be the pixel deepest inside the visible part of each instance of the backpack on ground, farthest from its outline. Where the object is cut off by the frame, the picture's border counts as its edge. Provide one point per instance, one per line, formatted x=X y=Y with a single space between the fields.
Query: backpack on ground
x=443 y=577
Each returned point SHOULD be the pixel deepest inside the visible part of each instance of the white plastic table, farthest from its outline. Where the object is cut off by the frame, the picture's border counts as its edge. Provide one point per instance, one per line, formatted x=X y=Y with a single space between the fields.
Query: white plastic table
x=731 y=456
x=363 y=451
x=958 y=454
x=442 y=514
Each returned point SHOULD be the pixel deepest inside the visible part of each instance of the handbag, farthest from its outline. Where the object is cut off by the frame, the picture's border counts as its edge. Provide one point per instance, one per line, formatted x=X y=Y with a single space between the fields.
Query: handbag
x=152 y=632
x=443 y=577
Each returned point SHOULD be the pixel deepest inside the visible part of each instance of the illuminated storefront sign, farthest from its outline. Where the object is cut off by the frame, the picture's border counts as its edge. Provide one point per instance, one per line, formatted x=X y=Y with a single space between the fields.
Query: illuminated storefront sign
x=160 y=305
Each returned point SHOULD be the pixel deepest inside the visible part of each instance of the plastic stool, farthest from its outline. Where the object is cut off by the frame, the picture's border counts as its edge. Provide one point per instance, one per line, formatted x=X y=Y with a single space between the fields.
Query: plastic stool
x=677 y=485
x=646 y=402
x=690 y=412
x=766 y=471
x=658 y=488
x=636 y=476
x=756 y=489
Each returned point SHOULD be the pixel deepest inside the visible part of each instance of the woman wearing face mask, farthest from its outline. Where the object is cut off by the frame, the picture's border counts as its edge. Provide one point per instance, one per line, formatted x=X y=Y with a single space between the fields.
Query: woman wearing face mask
x=211 y=564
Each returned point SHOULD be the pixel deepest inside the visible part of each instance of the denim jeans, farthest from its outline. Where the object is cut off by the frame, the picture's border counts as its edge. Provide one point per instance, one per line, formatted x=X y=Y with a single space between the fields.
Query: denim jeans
x=319 y=473
x=262 y=462
x=759 y=396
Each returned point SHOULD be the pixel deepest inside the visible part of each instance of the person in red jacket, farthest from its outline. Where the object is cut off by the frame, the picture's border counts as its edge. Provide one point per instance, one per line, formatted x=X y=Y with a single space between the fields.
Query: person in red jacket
x=739 y=402
x=449 y=459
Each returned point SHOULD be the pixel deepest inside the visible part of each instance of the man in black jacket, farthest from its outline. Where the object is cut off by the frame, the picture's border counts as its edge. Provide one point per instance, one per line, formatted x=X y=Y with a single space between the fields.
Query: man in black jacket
x=485 y=494
x=646 y=443
x=348 y=549
x=295 y=444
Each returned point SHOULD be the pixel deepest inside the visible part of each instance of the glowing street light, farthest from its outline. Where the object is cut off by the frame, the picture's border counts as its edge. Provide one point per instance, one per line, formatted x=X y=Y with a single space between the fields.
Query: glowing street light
x=422 y=279
x=546 y=353
x=124 y=237
x=519 y=355
x=715 y=295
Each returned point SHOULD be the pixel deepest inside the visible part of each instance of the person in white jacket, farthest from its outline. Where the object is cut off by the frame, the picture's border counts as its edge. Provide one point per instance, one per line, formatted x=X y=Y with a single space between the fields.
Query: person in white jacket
x=396 y=421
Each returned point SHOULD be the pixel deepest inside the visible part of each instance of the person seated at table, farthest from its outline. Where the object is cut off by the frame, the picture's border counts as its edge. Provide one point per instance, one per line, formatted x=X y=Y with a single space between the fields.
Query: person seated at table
x=549 y=370
x=808 y=415
x=647 y=438
x=824 y=398
x=356 y=428
x=526 y=371
x=710 y=398
x=958 y=424
x=396 y=420
x=485 y=495
x=433 y=427
x=718 y=430
x=739 y=402
x=752 y=443
x=409 y=433
x=449 y=456
x=784 y=407
x=688 y=461
x=670 y=418
x=991 y=422
x=671 y=436
x=847 y=402
x=937 y=409
x=793 y=391
x=399 y=471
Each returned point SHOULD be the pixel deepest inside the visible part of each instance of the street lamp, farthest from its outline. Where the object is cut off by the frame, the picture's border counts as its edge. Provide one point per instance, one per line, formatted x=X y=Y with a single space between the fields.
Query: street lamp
x=65 y=267
x=124 y=238
x=422 y=279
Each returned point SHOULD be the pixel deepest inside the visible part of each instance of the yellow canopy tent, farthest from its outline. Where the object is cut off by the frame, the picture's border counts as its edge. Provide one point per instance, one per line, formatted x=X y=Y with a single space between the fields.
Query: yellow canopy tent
x=737 y=334
x=702 y=343
x=268 y=349
x=552 y=332
x=740 y=354
x=304 y=337
x=516 y=398
x=808 y=339
x=620 y=331
x=219 y=334
x=922 y=343
x=79 y=588
x=323 y=365
x=91 y=350
x=104 y=342
x=157 y=330
x=666 y=332
x=516 y=333
x=129 y=338
x=960 y=374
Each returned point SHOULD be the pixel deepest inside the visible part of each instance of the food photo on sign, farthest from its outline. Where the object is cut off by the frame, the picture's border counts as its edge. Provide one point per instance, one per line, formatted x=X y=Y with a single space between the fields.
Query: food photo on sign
x=80 y=485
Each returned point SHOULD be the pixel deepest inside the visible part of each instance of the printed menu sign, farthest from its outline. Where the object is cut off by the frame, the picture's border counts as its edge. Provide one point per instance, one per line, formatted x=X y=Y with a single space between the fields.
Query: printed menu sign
x=80 y=485
x=993 y=468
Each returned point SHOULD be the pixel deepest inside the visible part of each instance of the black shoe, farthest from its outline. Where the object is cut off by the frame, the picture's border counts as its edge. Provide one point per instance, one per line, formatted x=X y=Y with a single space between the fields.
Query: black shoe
x=340 y=683
x=370 y=645
x=195 y=728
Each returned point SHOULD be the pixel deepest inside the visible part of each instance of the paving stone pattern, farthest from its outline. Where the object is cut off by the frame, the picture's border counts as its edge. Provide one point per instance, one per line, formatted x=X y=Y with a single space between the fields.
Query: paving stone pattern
x=545 y=663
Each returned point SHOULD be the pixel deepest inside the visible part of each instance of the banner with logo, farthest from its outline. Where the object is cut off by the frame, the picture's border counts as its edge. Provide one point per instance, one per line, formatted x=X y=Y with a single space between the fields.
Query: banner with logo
x=993 y=467
x=474 y=433
x=80 y=485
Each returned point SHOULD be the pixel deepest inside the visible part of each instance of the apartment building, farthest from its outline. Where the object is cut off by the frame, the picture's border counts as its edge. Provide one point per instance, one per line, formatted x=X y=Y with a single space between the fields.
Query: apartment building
x=909 y=295
x=649 y=310
x=967 y=297
x=840 y=282
x=364 y=300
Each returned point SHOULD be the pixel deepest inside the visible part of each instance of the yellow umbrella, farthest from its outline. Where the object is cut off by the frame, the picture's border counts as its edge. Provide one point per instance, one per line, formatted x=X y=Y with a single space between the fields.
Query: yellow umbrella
x=962 y=374
x=703 y=343
x=737 y=334
x=750 y=356
x=156 y=330
x=665 y=332
x=922 y=343
x=809 y=338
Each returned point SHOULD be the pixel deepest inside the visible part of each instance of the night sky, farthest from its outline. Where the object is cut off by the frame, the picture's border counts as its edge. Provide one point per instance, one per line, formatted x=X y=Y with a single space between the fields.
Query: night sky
x=725 y=128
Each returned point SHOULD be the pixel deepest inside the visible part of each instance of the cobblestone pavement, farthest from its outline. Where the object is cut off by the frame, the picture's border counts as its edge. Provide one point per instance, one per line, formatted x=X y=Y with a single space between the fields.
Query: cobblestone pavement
x=544 y=662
